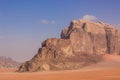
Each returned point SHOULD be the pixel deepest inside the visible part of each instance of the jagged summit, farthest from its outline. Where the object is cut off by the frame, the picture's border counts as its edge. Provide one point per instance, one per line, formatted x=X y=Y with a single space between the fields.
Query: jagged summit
x=81 y=43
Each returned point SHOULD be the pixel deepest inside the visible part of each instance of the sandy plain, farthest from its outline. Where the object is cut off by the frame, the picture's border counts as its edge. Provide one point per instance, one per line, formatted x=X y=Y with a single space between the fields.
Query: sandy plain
x=109 y=69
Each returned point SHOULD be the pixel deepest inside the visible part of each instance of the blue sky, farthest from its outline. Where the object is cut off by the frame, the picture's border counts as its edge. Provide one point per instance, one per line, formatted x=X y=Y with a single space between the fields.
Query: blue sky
x=24 y=24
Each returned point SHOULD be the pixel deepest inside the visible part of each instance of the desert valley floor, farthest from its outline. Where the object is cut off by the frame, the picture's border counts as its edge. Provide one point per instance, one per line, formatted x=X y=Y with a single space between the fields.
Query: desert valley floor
x=109 y=69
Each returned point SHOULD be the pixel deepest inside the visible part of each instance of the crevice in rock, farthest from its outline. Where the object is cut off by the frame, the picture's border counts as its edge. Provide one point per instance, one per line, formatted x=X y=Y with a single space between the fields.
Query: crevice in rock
x=108 y=39
x=93 y=42
x=84 y=26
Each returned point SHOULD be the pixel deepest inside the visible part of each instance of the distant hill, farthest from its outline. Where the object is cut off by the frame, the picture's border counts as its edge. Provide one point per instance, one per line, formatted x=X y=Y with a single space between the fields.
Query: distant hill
x=7 y=62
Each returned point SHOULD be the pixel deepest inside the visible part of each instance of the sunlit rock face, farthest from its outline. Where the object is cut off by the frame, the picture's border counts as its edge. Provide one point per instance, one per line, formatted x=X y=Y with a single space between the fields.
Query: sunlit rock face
x=81 y=44
x=92 y=37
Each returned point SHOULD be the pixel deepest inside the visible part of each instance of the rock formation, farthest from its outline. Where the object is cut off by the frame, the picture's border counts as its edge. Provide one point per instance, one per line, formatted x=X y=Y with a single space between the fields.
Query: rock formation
x=81 y=44
x=8 y=63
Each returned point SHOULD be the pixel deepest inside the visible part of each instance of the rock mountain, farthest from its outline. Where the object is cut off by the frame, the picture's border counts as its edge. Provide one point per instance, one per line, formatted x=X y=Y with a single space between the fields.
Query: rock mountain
x=81 y=44
x=8 y=63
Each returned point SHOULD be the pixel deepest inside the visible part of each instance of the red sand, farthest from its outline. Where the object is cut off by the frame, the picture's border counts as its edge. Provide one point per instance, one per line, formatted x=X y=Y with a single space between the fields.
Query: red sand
x=7 y=70
x=109 y=69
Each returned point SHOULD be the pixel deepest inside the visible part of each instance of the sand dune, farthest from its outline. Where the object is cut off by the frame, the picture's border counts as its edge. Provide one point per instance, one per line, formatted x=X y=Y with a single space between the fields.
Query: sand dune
x=109 y=69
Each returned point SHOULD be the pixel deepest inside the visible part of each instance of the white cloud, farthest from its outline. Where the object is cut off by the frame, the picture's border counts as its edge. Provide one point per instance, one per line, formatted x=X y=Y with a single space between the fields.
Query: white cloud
x=89 y=17
x=46 y=22
x=52 y=22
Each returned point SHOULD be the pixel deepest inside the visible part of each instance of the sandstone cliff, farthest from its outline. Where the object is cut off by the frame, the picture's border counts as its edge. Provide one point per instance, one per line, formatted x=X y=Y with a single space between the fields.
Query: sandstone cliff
x=81 y=44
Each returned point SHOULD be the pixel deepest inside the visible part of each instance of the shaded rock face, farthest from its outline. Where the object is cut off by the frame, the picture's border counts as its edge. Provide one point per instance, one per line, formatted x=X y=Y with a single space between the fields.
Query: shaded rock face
x=81 y=43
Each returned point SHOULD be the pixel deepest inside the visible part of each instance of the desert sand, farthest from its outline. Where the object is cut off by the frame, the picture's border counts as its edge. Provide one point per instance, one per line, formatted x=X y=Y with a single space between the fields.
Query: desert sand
x=109 y=69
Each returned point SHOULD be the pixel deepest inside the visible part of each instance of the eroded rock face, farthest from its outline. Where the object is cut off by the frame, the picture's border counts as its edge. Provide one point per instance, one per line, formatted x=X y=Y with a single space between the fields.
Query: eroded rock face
x=81 y=43
x=92 y=37
x=50 y=57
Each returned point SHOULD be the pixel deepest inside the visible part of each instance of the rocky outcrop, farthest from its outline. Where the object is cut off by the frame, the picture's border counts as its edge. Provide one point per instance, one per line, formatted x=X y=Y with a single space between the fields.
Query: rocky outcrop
x=8 y=63
x=81 y=44
x=92 y=37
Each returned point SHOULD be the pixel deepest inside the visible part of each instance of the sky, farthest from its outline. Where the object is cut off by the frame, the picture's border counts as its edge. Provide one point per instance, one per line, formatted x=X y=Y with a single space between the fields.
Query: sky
x=24 y=24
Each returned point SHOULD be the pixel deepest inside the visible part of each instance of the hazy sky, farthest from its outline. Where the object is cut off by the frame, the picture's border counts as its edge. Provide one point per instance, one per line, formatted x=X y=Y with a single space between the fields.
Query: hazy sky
x=24 y=24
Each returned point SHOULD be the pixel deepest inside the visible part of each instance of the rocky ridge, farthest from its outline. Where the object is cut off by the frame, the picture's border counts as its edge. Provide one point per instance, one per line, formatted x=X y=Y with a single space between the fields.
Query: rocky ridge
x=8 y=63
x=81 y=44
